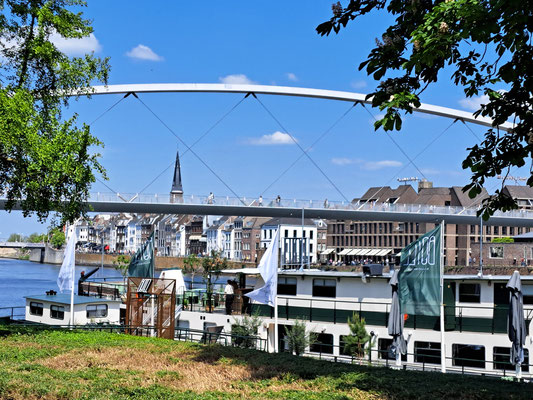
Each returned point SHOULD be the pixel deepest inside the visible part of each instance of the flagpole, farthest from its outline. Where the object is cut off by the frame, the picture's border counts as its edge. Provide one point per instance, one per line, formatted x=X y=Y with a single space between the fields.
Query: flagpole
x=276 y=333
x=442 y=342
x=73 y=278
x=153 y=283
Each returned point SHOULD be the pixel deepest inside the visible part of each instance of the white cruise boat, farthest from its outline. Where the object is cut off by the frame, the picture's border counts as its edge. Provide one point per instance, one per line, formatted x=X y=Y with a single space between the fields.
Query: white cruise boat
x=475 y=317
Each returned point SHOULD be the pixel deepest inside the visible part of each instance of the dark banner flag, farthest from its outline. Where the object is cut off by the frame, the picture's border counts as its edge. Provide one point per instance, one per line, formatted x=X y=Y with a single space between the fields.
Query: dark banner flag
x=142 y=263
x=419 y=276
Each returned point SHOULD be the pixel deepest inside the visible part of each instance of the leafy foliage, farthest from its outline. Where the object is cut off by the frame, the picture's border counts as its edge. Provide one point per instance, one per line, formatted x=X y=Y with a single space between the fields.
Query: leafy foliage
x=191 y=266
x=46 y=163
x=298 y=337
x=505 y=239
x=355 y=342
x=212 y=267
x=246 y=328
x=37 y=238
x=487 y=45
x=16 y=237
x=57 y=238
x=122 y=263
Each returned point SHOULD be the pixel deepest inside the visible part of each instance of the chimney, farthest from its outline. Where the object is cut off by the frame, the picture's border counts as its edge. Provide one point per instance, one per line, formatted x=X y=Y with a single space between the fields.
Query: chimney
x=424 y=184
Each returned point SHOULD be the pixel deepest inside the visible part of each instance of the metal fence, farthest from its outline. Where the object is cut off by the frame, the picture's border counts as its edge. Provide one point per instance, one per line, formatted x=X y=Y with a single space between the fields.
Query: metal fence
x=13 y=313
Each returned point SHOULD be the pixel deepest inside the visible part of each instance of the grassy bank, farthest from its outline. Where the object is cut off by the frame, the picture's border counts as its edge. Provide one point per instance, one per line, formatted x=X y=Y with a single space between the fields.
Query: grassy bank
x=95 y=365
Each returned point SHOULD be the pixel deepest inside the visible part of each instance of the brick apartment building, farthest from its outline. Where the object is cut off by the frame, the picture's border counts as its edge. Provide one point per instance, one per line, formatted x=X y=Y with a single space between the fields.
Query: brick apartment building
x=380 y=240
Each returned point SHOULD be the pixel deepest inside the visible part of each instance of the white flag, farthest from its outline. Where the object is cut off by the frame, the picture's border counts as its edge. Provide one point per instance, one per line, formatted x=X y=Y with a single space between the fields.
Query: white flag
x=268 y=268
x=65 y=280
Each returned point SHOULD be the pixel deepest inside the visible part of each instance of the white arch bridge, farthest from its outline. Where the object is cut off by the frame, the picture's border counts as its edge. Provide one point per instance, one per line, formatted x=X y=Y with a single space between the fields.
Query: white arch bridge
x=231 y=206
x=141 y=203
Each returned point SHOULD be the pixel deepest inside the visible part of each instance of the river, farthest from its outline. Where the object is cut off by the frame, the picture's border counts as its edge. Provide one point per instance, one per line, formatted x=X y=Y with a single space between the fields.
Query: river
x=19 y=278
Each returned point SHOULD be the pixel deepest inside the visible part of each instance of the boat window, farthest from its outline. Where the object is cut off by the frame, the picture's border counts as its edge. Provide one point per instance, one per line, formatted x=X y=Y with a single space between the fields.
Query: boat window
x=323 y=344
x=324 y=287
x=57 y=312
x=427 y=352
x=496 y=252
x=469 y=293
x=287 y=286
x=468 y=355
x=501 y=356
x=36 y=308
x=97 y=311
x=384 y=352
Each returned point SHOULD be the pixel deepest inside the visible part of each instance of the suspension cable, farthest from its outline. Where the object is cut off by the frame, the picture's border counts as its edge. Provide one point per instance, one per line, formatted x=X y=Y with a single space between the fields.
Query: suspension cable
x=396 y=143
x=195 y=142
x=411 y=161
x=301 y=148
x=308 y=149
x=97 y=118
x=189 y=148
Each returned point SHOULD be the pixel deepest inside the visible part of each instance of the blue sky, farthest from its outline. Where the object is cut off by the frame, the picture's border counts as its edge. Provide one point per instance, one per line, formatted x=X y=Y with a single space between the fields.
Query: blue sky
x=270 y=43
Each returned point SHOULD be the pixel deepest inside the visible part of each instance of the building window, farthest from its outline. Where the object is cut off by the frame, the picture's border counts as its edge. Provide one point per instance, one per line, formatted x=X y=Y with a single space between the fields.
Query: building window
x=97 y=311
x=384 y=352
x=427 y=352
x=286 y=233
x=36 y=308
x=496 y=252
x=311 y=235
x=294 y=234
x=501 y=358
x=468 y=355
x=57 y=312
x=324 y=287
x=287 y=286
x=469 y=293
x=323 y=344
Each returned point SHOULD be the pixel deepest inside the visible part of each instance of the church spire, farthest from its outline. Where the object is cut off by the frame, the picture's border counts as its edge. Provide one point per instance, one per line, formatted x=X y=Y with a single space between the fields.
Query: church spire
x=177 y=189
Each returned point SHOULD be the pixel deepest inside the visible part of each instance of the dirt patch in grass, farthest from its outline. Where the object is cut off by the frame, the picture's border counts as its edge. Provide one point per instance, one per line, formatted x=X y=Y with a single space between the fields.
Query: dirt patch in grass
x=177 y=370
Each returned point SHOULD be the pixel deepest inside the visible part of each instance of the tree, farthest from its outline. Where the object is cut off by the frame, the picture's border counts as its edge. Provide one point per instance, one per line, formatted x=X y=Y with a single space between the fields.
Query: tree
x=122 y=263
x=298 y=338
x=16 y=237
x=46 y=163
x=57 y=238
x=37 y=238
x=191 y=265
x=355 y=342
x=212 y=266
x=486 y=44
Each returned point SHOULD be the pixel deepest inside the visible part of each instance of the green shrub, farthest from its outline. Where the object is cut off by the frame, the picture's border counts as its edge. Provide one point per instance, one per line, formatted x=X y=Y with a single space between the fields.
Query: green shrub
x=298 y=338
x=355 y=342
x=246 y=330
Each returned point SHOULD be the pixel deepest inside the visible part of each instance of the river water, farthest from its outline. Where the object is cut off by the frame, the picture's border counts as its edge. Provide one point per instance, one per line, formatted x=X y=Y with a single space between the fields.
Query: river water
x=19 y=278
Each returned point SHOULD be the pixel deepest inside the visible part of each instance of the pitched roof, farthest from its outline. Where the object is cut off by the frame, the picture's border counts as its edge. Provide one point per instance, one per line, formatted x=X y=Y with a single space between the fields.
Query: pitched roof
x=519 y=192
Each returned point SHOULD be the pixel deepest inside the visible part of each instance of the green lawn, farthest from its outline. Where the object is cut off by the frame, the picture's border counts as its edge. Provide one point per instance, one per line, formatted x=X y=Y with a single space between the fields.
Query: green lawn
x=96 y=365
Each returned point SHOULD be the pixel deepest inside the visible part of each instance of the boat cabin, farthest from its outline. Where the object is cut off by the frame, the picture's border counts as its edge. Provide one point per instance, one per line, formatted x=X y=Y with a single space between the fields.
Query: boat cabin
x=55 y=310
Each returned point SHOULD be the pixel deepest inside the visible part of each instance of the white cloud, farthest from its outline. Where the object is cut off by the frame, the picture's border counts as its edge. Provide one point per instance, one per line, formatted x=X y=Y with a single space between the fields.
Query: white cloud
x=358 y=84
x=276 y=138
x=473 y=103
x=374 y=165
x=142 y=52
x=344 y=161
x=292 y=77
x=236 y=79
x=76 y=47
x=367 y=165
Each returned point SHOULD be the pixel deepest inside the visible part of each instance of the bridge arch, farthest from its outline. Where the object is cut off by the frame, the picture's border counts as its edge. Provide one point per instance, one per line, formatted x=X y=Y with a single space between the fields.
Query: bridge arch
x=284 y=91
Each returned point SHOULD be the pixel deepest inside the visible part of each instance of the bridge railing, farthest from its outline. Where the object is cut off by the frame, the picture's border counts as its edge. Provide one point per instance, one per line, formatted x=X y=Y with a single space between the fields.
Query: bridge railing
x=298 y=203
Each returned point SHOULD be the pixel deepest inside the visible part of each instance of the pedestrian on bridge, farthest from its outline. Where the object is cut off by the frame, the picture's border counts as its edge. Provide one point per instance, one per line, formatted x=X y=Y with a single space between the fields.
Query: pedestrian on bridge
x=260 y=201
x=278 y=201
x=326 y=203
x=211 y=198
